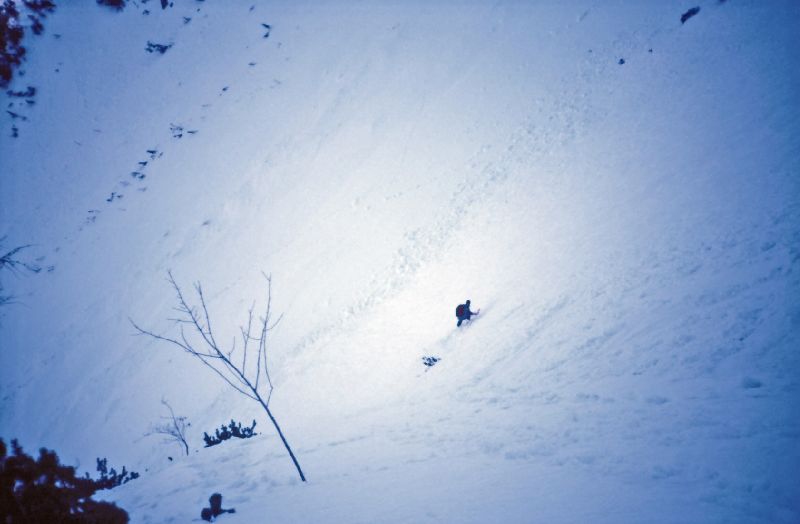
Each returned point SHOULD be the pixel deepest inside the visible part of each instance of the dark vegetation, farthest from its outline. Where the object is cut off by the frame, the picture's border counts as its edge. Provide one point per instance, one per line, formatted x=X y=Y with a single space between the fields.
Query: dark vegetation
x=109 y=478
x=11 y=261
x=227 y=432
x=688 y=14
x=172 y=428
x=215 y=508
x=153 y=47
x=12 y=32
x=43 y=490
x=118 y=5
x=30 y=92
x=244 y=368
x=430 y=361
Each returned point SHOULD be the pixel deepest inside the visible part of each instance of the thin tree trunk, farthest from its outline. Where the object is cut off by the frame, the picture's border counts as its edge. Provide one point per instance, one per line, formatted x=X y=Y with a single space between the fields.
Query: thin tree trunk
x=283 y=439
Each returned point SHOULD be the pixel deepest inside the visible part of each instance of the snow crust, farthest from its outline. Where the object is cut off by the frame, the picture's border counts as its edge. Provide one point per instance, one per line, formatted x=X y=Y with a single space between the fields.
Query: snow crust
x=631 y=233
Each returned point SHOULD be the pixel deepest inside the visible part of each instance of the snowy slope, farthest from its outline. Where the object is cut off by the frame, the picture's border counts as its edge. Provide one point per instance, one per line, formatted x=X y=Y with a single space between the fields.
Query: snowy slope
x=630 y=231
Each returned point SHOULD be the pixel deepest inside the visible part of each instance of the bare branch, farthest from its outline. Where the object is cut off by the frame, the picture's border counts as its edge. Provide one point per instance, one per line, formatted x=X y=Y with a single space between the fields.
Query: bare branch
x=199 y=289
x=223 y=377
x=221 y=362
x=8 y=260
x=174 y=428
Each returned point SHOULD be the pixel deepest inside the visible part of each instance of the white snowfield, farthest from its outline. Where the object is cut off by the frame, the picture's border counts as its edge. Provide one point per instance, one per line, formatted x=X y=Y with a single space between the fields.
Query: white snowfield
x=618 y=192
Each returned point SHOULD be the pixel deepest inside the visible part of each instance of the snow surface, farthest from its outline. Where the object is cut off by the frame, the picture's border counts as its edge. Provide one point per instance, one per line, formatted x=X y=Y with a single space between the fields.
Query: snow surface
x=631 y=233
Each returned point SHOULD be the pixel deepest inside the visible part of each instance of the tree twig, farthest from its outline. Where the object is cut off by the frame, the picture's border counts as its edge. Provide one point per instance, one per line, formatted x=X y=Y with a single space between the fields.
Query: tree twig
x=244 y=381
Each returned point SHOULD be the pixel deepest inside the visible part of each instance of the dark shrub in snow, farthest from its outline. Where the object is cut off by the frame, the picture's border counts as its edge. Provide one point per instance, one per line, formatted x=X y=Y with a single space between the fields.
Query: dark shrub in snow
x=119 y=5
x=12 y=31
x=153 y=47
x=430 y=361
x=110 y=478
x=226 y=432
x=43 y=490
x=11 y=50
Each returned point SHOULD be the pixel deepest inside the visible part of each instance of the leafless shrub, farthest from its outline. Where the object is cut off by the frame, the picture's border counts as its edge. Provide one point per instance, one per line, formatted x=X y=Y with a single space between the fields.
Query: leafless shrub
x=250 y=376
x=172 y=428
x=10 y=261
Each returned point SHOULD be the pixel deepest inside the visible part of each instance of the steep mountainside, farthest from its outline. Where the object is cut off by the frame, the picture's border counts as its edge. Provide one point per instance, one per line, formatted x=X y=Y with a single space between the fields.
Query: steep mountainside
x=615 y=189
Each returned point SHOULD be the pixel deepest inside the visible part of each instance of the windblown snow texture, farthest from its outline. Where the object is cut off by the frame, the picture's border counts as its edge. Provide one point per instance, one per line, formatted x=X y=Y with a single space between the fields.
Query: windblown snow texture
x=616 y=189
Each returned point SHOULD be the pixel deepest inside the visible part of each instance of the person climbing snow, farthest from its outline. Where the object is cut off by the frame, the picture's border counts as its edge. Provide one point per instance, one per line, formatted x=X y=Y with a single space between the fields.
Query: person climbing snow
x=463 y=313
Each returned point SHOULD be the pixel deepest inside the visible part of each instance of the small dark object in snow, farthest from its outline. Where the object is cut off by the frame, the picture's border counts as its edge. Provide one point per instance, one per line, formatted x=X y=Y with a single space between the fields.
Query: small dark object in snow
x=28 y=93
x=215 y=509
x=118 y=5
x=14 y=132
x=268 y=29
x=153 y=47
x=177 y=131
x=16 y=115
x=650 y=50
x=165 y=3
x=688 y=14
x=430 y=361
x=621 y=61
x=187 y=19
x=36 y=25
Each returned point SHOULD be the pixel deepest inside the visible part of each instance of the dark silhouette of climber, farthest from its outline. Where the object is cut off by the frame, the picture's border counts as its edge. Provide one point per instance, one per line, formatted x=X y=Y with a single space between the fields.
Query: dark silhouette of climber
x=463 y=313
x=215 y=501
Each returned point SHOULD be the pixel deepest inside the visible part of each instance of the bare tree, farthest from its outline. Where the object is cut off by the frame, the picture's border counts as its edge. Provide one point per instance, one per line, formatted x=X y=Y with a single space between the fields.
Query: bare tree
x=9 y=260
x=250 y=377
x=173 y=428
